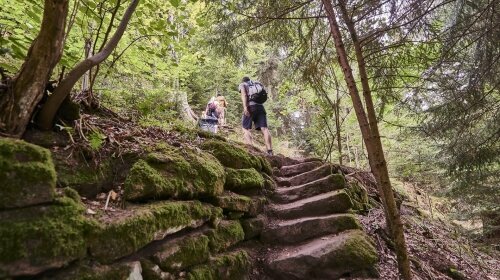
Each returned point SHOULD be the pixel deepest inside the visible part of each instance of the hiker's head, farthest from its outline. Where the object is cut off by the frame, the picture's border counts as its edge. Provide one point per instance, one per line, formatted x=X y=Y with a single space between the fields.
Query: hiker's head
x=246 y=79
x=218 y=94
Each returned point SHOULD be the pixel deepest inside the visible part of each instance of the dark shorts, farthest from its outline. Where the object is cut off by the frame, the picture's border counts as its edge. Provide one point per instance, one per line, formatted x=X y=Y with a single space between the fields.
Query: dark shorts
x=257 y=116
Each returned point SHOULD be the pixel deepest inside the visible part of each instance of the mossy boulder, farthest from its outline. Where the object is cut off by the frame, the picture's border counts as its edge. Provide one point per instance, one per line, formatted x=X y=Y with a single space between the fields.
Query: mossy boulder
x=151 y=271
x=233 y=266
x=232 y=156
x=88 y=271
x=184 y=252
x=253 y=227
x=175 y=173
x=358 y=195
x=27 y=174
x=87 y=179
x=225 y=235
x=231 y=202
x=357 y=253
x=243 y=180
x=125 y=234
x=38 y=238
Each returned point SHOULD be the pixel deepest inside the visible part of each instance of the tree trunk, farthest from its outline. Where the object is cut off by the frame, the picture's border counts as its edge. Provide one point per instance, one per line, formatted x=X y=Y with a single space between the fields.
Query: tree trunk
x=28 y=86
x=369 y=130
x=183 y=108
x=49 y=110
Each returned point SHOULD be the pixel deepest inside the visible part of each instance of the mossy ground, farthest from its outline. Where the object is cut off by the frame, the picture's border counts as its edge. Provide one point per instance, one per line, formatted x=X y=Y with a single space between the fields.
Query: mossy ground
x=175 y=173
x=123 y=237
x=27 y=174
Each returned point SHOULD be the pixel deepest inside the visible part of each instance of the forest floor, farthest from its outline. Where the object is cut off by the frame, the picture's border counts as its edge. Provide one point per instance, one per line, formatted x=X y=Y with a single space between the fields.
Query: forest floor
x=438 y=248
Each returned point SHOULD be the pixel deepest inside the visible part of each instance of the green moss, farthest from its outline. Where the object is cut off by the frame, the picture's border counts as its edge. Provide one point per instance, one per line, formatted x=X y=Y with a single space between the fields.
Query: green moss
x=143 y=181
x=358 y=195
x=253 y=226
x=357 y=252
x=243 y=179
x=27 y=174
x=232 y=156
x=188 y=252
x=43 y=236
x=71 y=193
x=175 y=173
x=85 y=271
x=210 y=135
x=234 y=203
x=225 y=235
x=86 y=180
x=151 y=222
x=266 y=166
x=234 y=266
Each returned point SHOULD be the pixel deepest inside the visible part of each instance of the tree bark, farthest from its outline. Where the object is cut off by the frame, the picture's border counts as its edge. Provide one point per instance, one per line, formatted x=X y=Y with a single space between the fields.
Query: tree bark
x=369 y=130
x=183 y=108
x=49 y=109
x=28 y=86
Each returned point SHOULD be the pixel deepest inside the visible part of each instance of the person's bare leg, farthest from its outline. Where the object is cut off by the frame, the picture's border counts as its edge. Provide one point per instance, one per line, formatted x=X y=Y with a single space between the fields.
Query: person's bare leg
x=247 y=135
x=267 y=138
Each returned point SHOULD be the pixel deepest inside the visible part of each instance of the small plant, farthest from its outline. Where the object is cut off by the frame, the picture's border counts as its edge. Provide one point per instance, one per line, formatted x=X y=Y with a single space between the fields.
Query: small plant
x=96 y=140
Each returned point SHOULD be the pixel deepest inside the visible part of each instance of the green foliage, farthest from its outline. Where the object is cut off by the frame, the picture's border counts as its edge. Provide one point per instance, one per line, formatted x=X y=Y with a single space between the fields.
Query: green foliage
x=96 y=140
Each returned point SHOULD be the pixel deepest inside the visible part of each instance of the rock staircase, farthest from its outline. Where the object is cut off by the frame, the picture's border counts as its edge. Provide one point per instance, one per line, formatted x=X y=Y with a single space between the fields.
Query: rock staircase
x=311 y=233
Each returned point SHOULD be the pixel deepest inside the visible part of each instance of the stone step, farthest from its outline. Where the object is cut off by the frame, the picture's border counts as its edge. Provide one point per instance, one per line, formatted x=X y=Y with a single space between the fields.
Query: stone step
x=292 y=170
x=348 y=254
x=298 y=230
x=323 y=204
x=306 y=177
x=325 y=184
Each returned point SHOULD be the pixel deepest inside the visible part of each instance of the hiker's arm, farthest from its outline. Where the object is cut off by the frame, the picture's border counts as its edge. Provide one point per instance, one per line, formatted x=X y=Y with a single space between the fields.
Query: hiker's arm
x=245 y=101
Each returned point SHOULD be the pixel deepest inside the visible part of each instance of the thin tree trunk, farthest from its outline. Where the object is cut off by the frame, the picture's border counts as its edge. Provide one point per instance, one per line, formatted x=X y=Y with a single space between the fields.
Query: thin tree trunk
x=28 y=86
x=49 y=110
x=369 y=130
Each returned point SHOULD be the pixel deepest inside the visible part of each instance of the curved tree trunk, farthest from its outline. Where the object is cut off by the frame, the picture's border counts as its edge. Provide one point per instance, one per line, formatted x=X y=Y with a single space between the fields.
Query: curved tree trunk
x=28 y=86
x=49 y=109
x=183 y=108
x=369 y=130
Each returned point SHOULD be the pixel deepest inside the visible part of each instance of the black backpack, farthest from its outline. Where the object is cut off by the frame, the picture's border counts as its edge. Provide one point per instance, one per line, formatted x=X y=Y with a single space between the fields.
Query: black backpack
x=260 y=96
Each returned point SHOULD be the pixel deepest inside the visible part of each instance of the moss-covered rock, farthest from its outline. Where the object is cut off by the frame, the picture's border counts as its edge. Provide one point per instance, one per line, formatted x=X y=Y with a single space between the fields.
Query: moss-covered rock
x=225 y=235
x=151 y=271
x=175 y=173
x=357 y=253
x=266 y=166
x=234 y=266
x=358 y=195
x=87 y=179
x=181 y=253
x=232 y=156
x=27 y=174
x=87 y=271
x=126 y=234
x=253 y=227
x=234 y=202
x=38 y=238
x=243 y=180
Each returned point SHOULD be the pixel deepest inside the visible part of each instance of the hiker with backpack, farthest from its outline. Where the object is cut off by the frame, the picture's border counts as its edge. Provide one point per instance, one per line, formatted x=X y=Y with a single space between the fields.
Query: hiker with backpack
x=253 y=96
